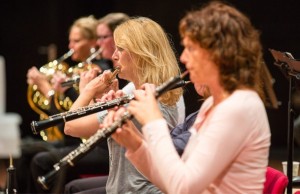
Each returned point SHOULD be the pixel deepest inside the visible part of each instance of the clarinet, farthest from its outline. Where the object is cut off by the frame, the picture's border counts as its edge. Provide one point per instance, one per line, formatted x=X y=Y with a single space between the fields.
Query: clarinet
x=99 y=136
x=53 y=120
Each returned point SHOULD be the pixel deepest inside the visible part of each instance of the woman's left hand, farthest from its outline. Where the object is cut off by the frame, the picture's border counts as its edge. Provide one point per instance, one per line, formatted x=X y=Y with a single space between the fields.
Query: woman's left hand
x=145 y=107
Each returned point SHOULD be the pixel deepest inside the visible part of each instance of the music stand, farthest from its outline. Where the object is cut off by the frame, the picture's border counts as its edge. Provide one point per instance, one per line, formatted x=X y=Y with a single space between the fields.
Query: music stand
x=291 y=69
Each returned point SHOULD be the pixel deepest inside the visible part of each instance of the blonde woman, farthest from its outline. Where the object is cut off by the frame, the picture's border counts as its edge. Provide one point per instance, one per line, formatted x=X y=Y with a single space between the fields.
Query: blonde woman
x=144 y=55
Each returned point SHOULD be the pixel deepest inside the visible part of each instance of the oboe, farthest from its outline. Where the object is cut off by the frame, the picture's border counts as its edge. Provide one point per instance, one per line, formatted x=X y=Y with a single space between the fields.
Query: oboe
x=53 y=120
x=99 y=136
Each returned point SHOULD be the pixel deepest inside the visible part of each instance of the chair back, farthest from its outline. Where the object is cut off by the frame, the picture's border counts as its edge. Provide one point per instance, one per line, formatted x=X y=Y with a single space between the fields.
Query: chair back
x=276 y=182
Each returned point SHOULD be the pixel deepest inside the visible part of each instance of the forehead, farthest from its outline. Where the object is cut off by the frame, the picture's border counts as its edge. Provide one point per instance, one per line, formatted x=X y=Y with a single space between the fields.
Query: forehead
x=103 y=29
x=186 y=41
x=76 y=32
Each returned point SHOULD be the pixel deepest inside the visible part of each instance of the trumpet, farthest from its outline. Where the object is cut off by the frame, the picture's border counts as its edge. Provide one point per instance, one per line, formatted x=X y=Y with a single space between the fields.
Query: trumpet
x=99 y=136
x=53 y=120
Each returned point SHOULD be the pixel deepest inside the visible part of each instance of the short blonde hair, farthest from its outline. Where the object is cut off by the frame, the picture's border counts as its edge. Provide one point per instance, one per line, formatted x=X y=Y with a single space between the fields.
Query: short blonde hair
x=154 y=56
x=87 y=26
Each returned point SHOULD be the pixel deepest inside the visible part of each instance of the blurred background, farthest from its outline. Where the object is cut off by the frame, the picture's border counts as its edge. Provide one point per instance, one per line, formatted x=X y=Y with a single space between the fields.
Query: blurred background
x=30 y=29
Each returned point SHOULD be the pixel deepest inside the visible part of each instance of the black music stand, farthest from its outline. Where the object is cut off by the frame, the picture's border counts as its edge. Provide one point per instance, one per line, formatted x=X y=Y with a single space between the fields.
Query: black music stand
x=291 y=69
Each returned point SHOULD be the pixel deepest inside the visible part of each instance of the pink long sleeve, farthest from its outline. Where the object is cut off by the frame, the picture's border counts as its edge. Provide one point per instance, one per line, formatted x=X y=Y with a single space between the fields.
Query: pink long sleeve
x=228 y=154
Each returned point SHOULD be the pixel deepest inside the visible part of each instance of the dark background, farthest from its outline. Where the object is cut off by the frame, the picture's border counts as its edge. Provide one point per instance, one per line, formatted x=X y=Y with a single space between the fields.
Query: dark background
x=27 y=28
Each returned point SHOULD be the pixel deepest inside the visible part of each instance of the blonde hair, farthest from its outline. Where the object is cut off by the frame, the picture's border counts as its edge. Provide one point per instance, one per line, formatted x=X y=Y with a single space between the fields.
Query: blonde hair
x=87 y=26
x=153 y=54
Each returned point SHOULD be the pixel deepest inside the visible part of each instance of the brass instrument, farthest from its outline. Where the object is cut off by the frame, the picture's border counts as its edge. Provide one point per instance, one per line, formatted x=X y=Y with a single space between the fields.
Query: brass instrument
x=64 y=103
x=86 y=65
x=74 y=80
x=40 y=103
x=70 y=160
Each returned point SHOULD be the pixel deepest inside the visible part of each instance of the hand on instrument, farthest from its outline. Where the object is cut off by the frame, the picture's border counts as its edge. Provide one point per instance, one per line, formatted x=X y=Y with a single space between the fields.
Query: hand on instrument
x=145 y=107
x=56 y=81
x=100 y=85
x=111 y=95
x=35 y=77
x=86 y=77
x=128 y=135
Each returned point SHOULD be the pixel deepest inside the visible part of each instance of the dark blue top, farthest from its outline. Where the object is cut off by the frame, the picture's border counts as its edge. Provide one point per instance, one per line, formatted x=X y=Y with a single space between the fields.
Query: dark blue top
x=180 y=134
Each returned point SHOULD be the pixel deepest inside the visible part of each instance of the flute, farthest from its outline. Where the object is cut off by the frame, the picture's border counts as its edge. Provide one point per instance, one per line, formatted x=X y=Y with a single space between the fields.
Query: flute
x=99 y=136
x=53 y=120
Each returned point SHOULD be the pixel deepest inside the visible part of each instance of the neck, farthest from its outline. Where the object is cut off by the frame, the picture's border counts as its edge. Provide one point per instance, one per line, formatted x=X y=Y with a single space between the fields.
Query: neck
x=219 y=95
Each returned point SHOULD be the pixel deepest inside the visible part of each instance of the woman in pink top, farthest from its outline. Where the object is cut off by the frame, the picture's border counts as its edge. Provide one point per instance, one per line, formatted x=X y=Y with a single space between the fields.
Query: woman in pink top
x=229 y=146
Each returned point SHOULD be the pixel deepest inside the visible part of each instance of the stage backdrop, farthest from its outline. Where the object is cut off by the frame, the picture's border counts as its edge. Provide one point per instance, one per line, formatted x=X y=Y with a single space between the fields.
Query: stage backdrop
x=29 y=27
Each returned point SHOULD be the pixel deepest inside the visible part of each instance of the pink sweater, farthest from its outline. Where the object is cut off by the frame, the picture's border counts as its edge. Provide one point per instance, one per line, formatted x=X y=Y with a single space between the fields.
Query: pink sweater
x=228 y=154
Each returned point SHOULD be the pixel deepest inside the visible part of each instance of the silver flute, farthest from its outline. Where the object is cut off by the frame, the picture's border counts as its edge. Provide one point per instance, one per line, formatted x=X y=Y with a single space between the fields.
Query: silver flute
x=101 y=135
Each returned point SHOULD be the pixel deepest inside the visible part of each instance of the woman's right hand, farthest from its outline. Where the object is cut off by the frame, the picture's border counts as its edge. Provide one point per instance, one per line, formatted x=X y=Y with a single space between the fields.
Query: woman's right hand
x=98 y=86
x=34 y=76
x=86 y=77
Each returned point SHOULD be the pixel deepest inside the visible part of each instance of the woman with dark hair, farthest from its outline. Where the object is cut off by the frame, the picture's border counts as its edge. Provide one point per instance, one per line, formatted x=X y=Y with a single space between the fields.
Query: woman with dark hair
x=230 y=139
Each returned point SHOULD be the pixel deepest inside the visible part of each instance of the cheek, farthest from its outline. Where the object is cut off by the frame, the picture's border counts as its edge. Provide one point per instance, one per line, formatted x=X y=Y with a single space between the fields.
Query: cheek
x=127 y=71
x=196 y=72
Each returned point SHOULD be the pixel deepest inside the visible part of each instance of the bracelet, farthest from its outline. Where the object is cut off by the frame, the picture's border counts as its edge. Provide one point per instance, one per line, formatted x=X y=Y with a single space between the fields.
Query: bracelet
x=50 y=93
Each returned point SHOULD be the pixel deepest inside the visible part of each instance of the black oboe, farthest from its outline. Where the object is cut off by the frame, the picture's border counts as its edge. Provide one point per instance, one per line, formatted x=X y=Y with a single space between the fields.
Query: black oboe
x=37 y=126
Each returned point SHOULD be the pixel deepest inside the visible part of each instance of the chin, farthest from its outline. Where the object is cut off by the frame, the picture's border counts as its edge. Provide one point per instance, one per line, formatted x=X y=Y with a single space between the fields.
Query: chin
x=192 y=78
x=121 y=76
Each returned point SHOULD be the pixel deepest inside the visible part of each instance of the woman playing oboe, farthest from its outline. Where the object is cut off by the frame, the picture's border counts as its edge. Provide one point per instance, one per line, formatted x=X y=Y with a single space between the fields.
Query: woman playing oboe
x=144 y=54
x=229 y=146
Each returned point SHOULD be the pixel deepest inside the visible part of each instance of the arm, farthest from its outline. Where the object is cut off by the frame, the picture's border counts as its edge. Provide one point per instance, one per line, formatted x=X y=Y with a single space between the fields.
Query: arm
x=194 y=174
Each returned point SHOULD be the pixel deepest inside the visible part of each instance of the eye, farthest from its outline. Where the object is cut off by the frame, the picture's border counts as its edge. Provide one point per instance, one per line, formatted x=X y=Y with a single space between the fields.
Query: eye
x=120 y=49
x=189 y=48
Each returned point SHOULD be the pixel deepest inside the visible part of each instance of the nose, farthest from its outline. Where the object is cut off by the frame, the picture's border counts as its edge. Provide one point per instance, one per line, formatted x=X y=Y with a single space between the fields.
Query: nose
x=115 y=56
x=70 y=45
x=183 y=57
